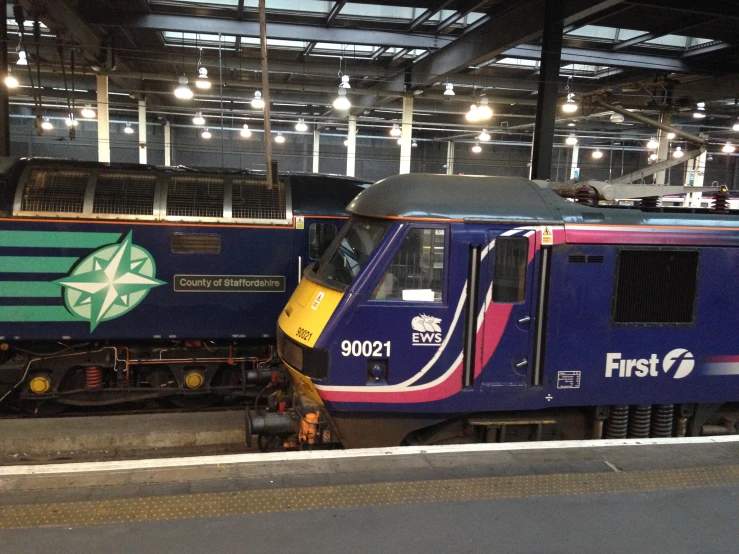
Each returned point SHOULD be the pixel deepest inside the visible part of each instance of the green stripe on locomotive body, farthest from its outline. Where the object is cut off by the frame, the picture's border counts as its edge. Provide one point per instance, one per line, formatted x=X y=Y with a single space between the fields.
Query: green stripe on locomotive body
x=29 y=289
x=55 y=239
x=36 y=313
x=36 y=264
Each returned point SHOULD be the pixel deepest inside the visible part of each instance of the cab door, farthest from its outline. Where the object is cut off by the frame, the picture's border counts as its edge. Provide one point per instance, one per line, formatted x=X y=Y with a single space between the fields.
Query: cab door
x=508 y=355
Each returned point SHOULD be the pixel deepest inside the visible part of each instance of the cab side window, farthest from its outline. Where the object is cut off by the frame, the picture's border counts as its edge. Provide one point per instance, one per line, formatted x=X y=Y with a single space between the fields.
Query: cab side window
x=416 y=273
x=509 y=271
x=320 y=236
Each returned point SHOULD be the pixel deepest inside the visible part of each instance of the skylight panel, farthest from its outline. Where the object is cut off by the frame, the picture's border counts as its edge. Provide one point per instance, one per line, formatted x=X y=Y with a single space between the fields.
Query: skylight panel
x=595 y=32
x=676 y=41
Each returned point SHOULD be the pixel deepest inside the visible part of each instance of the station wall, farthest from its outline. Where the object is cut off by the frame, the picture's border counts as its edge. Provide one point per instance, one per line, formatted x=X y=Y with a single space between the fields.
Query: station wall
x=376 y=157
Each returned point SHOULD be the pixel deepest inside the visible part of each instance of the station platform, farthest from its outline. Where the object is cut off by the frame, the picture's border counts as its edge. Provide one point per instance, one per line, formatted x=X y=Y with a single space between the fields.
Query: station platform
x=638 y=495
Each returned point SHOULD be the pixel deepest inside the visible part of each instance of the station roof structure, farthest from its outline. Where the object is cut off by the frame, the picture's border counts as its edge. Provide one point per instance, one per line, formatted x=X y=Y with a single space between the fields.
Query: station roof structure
x=642 y=54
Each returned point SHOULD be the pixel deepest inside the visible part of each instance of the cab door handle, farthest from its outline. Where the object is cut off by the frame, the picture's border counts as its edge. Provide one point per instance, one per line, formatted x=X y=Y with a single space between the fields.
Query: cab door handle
x=525 y=319
x=522 y=363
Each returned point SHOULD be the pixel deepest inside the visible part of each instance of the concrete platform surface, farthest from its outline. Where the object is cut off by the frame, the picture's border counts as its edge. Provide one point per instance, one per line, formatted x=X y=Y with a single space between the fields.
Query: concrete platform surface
x=657 y=495
x=110 y=437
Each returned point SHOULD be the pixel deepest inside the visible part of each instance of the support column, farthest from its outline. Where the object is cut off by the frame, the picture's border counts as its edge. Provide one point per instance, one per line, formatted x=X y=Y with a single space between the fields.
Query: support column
x=406 y=134
x=142 y=131
x=450 y=158
x=574 y=171
x=663 y=150
x=4 y=104
x=167 y=144
x=694 y=174
x=546 y=103
x=316 y=149
x=103 y=119
x=351 y=148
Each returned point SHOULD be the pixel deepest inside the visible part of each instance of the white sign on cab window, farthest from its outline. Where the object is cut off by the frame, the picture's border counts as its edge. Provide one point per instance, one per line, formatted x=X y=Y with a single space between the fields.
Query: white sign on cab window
x=418 y=295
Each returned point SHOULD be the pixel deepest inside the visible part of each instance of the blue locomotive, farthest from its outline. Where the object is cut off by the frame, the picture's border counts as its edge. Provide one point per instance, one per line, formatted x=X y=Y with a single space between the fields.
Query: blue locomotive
x=457 y=308
x=125 y=282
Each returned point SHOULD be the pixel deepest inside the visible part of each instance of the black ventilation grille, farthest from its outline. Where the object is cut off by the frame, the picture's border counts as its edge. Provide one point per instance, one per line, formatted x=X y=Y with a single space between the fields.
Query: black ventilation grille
x=195 y=244
x=55 y=190
x=125 y=193
x=195 y=196
x=582 y=258
x=656 y=287
x=254 y=199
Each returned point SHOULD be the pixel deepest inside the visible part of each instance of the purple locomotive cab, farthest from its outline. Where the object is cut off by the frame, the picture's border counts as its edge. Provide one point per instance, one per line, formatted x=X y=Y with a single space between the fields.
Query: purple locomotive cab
x=455 y=308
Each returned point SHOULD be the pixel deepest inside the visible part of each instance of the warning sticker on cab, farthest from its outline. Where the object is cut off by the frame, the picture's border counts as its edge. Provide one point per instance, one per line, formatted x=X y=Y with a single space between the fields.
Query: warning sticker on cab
x=547 y=238
x=568 y=379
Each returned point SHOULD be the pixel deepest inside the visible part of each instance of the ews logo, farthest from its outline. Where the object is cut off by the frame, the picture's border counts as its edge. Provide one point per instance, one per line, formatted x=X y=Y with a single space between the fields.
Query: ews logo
x=427 y=330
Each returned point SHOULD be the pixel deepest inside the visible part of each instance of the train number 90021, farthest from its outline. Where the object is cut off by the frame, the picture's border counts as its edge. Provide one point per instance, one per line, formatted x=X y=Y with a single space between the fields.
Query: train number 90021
x=365 y=348
x=303 y=334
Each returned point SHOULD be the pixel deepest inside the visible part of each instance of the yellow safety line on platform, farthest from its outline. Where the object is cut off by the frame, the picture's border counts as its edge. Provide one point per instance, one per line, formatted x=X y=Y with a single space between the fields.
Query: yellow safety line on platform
x=158 y=508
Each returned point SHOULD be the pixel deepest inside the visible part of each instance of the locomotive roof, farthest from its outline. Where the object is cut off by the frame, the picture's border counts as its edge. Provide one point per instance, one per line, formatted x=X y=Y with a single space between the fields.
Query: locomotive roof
x=419 y=195
x=509 y=199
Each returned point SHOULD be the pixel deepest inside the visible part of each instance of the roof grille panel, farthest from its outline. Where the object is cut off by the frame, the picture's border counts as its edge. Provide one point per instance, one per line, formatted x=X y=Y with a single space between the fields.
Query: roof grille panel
x=254 y=199
x=125 y=193
x=195 y=196
x=55 y=190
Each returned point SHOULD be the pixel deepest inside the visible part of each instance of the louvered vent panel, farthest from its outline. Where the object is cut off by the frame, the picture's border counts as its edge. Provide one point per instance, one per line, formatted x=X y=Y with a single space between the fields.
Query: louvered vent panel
x=55 y=190
x=196 y=244
x=195 y=196
x=253 y=199
x=656 y=287
x=124 y=193
x=595 y=259
x=576 y=258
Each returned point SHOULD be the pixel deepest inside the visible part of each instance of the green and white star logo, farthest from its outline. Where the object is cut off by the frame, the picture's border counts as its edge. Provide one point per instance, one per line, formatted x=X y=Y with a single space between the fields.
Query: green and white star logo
x=109 y=282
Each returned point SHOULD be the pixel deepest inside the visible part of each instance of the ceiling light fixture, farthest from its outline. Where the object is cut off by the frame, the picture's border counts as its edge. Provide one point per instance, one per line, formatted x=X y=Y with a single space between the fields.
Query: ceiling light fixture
x=198 y=119
x=472 y=115
x=399 y=141
x=346 y=142
x=484 y=112
x=257 y=103
x=10 y=81
x=653 y=156
x=395 y=131
x=652 y=144
x=571 y=124
x=202 y=81
x=71 y=121
x=700 y=110
x=345 y=82
x=728 y=148
x=735 y=127
x=206 y=134
x=46 y=125
x=570 y=106
x=245 y=132
x=88 y=112
x=279 y=139
x=477 y=149
x=128 y=129
x=484 y=136
x=678 y=153
x=597 y=154
x=300 y=126
x=414 y=144
x=670 y=136
x=617 y=117
x=571 y=140
x=449 y=90
x=21 y=56
x=342 y=102
x=183 y=92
